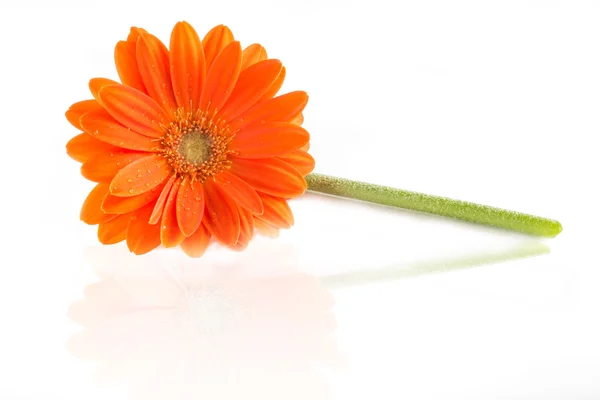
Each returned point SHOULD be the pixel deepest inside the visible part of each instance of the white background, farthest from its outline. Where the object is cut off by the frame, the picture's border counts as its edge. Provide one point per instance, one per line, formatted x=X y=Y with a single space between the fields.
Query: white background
x=495 y=102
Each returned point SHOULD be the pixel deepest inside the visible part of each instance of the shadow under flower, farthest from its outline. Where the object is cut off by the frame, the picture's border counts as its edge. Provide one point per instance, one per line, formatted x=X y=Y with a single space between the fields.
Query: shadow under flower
x=227 y=330
x=524 y=249
x=172 y=333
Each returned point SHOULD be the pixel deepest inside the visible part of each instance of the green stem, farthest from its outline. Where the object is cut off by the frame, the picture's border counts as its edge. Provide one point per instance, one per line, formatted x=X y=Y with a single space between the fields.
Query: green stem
x=443 y=206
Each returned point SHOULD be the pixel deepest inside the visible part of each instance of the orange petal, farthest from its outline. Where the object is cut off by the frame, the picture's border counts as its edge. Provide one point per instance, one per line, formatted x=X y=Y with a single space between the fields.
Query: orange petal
x=300 y=160
x=195 y=245
x=277 y=212
x=221 y=219
x=282 y=108
x=78 y=109
x=98 y=83
x=170 y=234
x=134 y=109
x=102 y=126
x=190 y=206
x=141 y=236
x=114 y=230
x=270 y=176
x=272 y=91
x=246 y=229
x=153 y=62
x=253 y=54
x=83 y=146
x=221 y=78
x=216 y=40
x=298 y=120
x=160 y=202
x=140 y=176
x=251 y=85
x=188 y=68
x=91 y=212
x=121 y=205
x=126 y=61
x=239 y=191
x=268 y=140
x=265 y=229
x=103 y=167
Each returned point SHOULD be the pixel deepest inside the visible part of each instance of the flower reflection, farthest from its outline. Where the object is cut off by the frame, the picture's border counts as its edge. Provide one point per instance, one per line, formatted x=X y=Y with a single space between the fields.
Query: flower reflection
x=208 y=332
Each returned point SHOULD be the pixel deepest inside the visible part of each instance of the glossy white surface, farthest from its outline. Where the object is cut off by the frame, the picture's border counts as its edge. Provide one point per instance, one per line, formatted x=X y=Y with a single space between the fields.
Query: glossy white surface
x=492 y=102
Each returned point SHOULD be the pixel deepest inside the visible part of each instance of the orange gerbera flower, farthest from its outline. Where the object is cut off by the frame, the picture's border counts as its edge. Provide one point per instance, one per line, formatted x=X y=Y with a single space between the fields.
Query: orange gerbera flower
x=192 y=144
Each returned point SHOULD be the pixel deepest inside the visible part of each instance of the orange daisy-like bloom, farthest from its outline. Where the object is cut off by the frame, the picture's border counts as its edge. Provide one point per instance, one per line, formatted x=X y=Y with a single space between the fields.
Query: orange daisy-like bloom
x=192 y=144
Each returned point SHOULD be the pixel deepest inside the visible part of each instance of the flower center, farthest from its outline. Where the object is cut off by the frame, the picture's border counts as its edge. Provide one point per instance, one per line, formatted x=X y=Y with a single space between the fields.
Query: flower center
x=196 y=146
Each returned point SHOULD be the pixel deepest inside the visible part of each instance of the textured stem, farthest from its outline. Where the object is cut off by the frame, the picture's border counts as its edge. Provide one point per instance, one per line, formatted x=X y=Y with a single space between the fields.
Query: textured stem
x=443 y=206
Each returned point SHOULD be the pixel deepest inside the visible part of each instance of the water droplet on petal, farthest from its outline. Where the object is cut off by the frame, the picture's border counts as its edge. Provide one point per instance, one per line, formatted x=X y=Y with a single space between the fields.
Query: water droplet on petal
x=129 y=180
x=131 y=191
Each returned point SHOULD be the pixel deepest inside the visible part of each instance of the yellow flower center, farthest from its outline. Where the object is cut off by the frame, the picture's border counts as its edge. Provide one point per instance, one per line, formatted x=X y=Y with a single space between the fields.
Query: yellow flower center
x=196 y=145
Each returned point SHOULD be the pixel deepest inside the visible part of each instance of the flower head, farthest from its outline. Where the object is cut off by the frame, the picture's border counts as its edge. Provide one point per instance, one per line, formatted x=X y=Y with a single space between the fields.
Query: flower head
x=193 y=144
